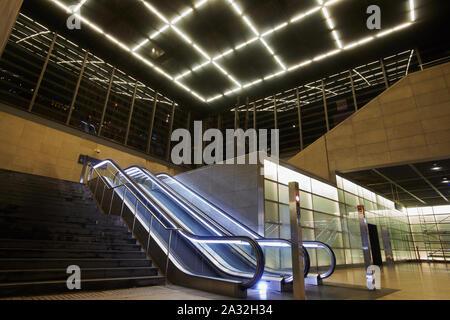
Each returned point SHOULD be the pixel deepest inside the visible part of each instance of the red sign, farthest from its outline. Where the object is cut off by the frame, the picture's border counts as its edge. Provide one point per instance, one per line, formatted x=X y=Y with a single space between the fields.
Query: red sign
x=361 y=211
x=342 y=105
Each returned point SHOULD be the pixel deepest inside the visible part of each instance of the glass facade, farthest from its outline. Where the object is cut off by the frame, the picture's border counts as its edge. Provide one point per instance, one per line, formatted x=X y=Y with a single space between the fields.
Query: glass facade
x=96 y=109
x=430 y=227
x=329 y=214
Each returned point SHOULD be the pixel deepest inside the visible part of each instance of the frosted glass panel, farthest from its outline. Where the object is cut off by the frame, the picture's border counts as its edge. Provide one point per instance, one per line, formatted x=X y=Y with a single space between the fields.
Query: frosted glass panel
x=331 y=238
x=271 y=212
x=270 y=170
x=325 y=205
x=308 y=235
x=283 y=194
x=324 y=221
x=351 y=199
x=285 y=232
x=284 y=214
x=286 y=175
x=339 y=182
x=350 y=186
x=324 y=189
x=271 y=230
x=270 y=190
x=306 y=218
x=305 y=200
x=441 y=209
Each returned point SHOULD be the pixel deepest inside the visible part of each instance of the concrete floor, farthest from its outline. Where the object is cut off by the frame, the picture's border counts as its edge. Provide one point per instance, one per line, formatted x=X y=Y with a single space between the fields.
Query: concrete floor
x=406 y=281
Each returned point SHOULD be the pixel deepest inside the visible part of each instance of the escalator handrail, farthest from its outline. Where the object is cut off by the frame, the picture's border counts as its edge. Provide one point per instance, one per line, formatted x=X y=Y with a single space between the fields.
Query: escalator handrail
x=165 y=187
x=260 y=259
x=306 y=244
x=211 y=205
x=309 y=244
x=174 y=194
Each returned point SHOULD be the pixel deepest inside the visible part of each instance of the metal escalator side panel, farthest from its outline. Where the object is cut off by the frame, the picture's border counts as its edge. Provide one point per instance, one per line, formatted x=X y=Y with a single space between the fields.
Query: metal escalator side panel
x=205 y=205
x=260 y=263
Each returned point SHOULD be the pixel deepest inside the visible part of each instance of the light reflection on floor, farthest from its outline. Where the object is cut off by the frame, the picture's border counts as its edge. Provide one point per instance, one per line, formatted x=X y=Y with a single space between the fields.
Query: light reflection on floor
x=406 y=281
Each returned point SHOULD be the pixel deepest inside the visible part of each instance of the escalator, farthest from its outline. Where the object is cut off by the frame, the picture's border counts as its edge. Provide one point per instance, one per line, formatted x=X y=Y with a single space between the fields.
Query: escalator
x=192 y=248
x=224 y=224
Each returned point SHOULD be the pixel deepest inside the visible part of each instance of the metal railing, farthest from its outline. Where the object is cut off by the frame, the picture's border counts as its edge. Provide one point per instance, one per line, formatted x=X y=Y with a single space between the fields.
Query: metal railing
x=259 y=269
x=257 y=237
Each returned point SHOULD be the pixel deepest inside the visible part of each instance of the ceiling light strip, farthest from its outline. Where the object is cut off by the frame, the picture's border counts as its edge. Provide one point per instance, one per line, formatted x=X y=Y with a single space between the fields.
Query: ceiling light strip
x=247 y=21
x=190 y=42
x=277 y=28
x=176 y=20
x=332 y=53
x=412 y=9
x=79 y=5
x=330 y=23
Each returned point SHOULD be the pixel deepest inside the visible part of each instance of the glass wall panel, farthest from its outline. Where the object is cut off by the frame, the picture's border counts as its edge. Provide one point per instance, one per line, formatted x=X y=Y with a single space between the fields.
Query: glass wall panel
x=270 y=190
x=325 y=205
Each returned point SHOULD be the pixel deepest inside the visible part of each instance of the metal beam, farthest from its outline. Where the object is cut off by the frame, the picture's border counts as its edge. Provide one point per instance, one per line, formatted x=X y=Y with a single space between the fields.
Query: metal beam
x=428 y=182
x=419 y=58
x=254 y=115
x=169 y=138
x=355 y=103
x=152 y=122
x=300 y=126
x=77 y=88
x=108 y=93
x=385 y=77
x=325 y=108
x=275 y=113
x=41 y=76
x=188 y=121
x=219 y=121
x=246 y=114
x=131 y=113
x=298 y=282
x=398 y=186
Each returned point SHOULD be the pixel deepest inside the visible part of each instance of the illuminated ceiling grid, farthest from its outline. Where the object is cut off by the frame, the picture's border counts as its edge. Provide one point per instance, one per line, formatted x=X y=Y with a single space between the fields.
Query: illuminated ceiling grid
x=323 y=7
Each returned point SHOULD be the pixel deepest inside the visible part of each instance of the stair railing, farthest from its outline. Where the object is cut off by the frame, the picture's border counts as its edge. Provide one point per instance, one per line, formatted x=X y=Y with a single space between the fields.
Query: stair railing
x=240 y=240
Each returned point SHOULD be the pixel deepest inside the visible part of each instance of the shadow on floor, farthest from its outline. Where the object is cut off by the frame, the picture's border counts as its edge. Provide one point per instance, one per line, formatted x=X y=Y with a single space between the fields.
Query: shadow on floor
x=325 y=292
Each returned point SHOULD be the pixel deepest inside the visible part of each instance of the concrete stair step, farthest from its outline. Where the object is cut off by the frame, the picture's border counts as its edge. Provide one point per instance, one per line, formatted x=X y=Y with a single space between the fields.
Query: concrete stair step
x=67 y=230
x=38 y=263
x=24 y=224
x=60 y=286
x=45 y=244
x=47 y=225
x=97 y=219
x=59 y=217
x=30 y=275
x=11 y=253
x=99 y=237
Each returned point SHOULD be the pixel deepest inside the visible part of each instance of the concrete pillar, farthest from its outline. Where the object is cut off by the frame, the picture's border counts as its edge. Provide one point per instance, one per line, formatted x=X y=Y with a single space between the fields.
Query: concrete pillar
x=9 y=10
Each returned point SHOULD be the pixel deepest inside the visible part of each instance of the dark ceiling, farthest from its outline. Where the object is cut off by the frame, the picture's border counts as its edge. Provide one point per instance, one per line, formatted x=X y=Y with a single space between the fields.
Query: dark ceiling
x=411 y=185
x=216 y=27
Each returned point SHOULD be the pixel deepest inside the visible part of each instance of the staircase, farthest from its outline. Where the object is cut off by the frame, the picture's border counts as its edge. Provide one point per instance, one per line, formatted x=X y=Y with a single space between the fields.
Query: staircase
x=47 y=225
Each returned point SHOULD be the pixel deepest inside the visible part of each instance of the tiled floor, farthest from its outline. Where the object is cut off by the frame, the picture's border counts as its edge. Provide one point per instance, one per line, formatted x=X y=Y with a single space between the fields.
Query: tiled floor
x=429 y=281
x=404 y=281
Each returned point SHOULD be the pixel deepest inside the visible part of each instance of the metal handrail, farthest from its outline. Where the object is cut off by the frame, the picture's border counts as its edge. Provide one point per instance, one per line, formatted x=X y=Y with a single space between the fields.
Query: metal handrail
x=154 y=179
x=260 y=263
x=182 y=230
x=306 y=244
x=164 y=186
x=208 y=202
